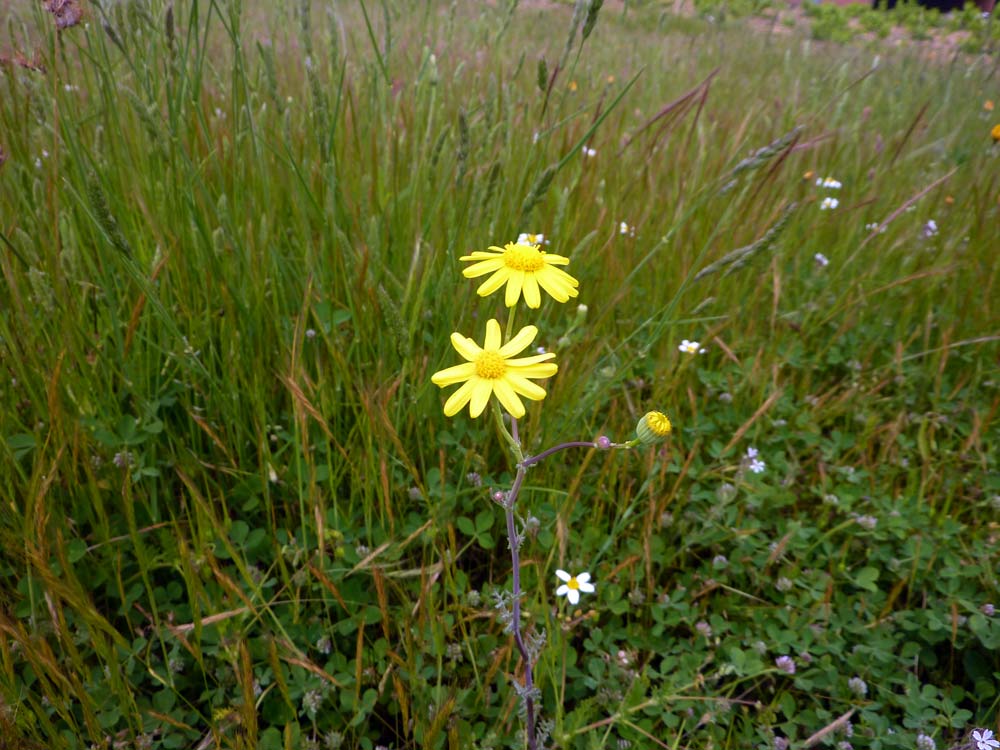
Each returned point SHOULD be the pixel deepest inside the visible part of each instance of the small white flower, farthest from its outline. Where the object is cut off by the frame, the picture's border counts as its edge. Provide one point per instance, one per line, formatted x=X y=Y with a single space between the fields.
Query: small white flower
x=753 y=461
x=821 y=260
x=540 y=350
x=828 y=203
x=984 y=739
x=691 y=347
x=624 y=228
x=930 y=228
x=591 y=152
x=527 y=238
x=828 y=182
x=573 y=585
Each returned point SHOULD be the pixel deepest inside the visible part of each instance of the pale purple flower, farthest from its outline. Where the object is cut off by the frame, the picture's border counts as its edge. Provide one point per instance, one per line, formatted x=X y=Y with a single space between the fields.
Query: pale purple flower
x=704 y=628
x=603 y=442
x=821 y=260
x=988 y=609
x=858 y=686
x=785 y=664
x=925 y=742
x=984 y=739
x=867 y=522
x=930 y=229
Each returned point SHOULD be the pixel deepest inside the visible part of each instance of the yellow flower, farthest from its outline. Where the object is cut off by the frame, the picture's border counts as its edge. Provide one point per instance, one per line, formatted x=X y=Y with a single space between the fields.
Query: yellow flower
x=996 y=132
x=491 y=371
x=653 y=428
x=523 y=268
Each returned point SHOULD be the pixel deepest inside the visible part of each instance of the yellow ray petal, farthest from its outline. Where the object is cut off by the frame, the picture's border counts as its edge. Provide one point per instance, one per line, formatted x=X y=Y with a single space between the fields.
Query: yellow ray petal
x=508 y=398
x=525 y=387
x=465 y=346
x=457 y=401
x=533 y=359
x=514 y=284
x=531 y=296
x=493 y=338
x=517 y=344
x=556 y=286
x=481 y=391
x=494 y=282
x=478 y=255
x=546 y=370
x=452 y=375
x=555 y=260
x=482 y=268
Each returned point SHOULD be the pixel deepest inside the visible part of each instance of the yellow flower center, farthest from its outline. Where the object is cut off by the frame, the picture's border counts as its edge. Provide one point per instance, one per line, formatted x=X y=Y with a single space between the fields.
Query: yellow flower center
x=573 y=584
x=658 y=423
x=523 y=258
x=490 y=366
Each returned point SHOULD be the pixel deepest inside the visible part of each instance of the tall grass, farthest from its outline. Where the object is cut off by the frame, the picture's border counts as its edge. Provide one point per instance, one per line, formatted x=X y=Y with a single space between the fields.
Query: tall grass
x=229 y=237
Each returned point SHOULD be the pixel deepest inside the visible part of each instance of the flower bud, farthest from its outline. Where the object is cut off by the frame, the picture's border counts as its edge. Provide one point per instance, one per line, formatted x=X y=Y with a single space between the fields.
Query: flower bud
x=653 y=428
x=603 y=442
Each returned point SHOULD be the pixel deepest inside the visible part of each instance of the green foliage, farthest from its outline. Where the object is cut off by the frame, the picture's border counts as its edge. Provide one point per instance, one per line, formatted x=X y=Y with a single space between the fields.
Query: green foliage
x=233 y=512
x=830 y=23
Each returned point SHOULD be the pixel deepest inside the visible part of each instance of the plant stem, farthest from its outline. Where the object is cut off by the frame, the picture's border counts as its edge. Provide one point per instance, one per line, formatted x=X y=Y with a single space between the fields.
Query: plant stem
x=515 y=557
x=531 y=460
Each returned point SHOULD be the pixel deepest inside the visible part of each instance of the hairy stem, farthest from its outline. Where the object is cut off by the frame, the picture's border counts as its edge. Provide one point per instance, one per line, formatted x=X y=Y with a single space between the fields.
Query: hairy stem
x=515 y=557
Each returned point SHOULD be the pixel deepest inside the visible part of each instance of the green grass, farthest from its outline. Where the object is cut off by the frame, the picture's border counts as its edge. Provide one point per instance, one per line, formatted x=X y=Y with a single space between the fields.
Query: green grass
x=232 y=509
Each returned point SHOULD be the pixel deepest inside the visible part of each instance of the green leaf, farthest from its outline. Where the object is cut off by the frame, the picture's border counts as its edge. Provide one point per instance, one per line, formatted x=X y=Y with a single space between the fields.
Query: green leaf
x=75 y=550
x=484 y=520
x=866 y=577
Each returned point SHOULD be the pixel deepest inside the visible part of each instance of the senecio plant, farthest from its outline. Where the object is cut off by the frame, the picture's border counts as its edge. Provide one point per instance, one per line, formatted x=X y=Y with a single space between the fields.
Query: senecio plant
x=494 y=369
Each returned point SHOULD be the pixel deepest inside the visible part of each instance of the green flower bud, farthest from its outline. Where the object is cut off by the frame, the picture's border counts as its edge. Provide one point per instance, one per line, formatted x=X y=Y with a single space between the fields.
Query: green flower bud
x=653 y=428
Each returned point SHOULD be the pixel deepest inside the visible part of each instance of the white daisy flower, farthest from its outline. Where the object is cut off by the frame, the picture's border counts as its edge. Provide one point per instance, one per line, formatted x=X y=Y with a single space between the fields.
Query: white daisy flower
x=691 y=347
x=527 y=238
x=573 y=585
x=587 y=151
x=828 y=202
x=828 y=182
x=624 y=228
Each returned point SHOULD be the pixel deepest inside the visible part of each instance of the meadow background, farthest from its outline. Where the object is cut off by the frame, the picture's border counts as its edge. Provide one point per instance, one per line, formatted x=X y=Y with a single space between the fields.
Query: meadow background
x=233 y=513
